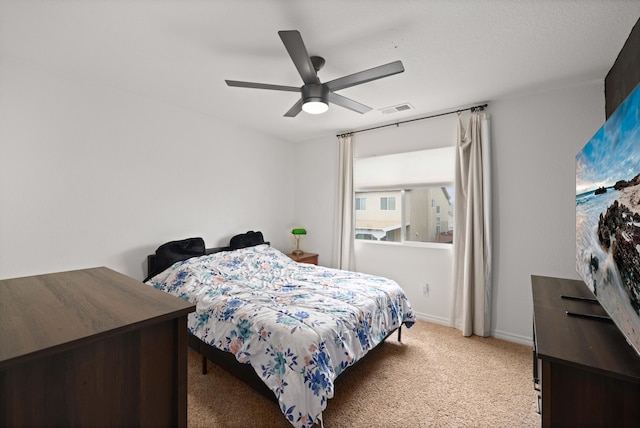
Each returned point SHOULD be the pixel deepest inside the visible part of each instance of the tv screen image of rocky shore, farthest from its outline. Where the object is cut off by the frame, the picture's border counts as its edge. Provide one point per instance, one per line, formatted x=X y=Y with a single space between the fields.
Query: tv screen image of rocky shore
x=608 y=216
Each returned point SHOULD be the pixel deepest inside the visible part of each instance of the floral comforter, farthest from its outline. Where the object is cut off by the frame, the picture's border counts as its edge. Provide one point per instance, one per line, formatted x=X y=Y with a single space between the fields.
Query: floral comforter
x=298 y=325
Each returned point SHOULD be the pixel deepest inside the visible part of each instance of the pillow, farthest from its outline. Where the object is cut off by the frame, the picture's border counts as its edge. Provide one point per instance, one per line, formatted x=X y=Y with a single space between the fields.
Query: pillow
x=175 y=251
x=245 y=240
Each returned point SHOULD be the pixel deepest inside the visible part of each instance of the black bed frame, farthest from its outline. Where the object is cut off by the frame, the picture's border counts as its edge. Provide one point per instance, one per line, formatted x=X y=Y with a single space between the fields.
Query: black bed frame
x=226 y=360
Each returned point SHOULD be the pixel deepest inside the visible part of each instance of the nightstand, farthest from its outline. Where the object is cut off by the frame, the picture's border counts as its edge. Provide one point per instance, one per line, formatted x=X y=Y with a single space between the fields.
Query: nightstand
x=305 y=258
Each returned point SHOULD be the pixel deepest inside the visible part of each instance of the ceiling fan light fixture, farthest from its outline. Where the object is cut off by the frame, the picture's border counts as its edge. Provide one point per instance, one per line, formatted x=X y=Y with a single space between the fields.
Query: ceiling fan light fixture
x=315 y=98
x=315 y=106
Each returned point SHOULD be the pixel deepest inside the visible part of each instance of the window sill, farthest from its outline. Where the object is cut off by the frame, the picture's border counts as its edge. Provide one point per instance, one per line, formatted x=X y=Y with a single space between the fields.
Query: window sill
x=433 y=245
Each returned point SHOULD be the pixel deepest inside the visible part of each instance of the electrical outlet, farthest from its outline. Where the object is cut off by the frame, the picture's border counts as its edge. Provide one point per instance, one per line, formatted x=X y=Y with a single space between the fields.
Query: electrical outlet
x=425 y=289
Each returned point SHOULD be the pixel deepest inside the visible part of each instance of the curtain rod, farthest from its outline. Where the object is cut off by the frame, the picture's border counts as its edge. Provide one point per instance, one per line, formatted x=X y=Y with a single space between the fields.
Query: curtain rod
x=478 y=107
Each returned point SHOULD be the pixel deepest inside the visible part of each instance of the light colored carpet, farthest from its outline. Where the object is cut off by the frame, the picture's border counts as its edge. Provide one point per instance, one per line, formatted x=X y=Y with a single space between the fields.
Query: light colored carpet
x=434 y=378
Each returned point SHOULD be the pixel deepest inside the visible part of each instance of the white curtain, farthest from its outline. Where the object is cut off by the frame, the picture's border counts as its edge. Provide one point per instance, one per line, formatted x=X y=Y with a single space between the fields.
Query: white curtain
x=471 y=302
x=345 y=215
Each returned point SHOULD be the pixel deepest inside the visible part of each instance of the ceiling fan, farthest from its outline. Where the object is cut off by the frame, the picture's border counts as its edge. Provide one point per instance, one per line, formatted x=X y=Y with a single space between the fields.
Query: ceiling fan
x=315 y=96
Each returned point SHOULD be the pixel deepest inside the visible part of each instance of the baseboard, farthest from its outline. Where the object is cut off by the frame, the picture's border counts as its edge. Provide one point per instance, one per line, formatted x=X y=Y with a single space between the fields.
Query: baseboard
x=433 y=319
x=509 y=337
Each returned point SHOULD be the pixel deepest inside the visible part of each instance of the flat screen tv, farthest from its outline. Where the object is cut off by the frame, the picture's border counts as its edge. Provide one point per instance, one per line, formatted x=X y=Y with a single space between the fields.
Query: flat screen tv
x=608 y=217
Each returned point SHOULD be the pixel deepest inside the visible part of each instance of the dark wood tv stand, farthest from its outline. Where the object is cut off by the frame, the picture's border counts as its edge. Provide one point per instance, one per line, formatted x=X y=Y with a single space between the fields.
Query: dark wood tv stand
x=586 y=373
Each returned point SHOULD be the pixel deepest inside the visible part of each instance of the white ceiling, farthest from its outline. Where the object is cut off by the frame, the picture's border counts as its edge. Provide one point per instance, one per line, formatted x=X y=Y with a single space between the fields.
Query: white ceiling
x=456 y=53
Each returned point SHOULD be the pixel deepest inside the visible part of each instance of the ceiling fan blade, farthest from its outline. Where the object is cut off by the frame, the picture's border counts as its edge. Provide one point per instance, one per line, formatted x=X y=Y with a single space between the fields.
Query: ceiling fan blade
x=293 y=111
x=348 y=103
x=262 y=86
x=366 y=76
x=299 y=55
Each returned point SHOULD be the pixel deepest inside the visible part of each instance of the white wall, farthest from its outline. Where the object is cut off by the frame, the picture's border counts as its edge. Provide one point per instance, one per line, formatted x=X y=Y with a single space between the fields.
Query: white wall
x=534 y=138
x=92 y=176
x=316 y=181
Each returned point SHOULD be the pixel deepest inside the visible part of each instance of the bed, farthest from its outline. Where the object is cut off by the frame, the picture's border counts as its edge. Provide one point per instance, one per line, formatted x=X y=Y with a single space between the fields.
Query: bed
x=296 y=326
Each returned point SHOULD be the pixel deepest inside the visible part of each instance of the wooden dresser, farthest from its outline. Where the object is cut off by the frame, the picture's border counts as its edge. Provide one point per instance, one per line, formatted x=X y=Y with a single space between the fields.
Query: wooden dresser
x=587 y=374
x=91 y=348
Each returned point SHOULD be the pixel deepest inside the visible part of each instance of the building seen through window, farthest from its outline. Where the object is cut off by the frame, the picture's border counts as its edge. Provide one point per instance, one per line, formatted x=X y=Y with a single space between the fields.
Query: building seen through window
x=418 y=214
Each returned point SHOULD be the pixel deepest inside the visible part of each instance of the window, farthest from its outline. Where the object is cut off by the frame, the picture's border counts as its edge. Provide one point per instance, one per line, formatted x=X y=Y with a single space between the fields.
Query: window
x=387 y=203
x=361 y=204
x=415 y=191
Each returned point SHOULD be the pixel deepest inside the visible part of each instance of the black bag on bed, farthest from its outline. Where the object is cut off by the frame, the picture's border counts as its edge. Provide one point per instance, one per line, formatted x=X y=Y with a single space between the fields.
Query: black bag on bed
x=245 y=240
x=175 y=251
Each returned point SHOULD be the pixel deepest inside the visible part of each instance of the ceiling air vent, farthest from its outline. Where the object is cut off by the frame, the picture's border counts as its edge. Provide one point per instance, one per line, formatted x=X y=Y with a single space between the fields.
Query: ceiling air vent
x=396 y=109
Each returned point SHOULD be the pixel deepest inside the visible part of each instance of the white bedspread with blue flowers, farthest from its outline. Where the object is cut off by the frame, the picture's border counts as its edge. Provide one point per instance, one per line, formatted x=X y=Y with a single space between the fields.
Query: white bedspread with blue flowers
x=298 y=325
